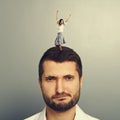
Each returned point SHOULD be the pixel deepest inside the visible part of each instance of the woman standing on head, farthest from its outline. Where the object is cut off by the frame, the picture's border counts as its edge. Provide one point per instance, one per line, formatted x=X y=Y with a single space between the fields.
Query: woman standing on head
x=61 y=24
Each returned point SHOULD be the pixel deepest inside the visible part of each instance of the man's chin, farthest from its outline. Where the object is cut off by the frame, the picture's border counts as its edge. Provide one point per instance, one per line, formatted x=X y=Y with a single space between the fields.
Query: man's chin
x=61 y=106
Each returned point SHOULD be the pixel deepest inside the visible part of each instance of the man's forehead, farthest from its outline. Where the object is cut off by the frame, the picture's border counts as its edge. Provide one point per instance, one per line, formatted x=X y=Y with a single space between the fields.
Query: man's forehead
x=59 y=65
x=57 y=68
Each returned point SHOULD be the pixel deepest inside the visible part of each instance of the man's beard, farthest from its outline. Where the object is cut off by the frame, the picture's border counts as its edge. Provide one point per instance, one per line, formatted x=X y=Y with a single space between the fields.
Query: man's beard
x=61 y=107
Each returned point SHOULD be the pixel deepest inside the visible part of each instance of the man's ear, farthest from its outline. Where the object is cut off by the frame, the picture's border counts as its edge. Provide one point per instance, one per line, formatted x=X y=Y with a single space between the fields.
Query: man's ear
x=81 y=80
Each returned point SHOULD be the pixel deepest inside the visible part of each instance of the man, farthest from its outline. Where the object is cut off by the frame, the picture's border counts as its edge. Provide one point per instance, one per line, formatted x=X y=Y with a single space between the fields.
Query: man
x=60 y=78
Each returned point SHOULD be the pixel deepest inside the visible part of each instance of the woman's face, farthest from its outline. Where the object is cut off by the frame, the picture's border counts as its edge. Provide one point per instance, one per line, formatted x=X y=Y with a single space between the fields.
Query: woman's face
x=61 y=22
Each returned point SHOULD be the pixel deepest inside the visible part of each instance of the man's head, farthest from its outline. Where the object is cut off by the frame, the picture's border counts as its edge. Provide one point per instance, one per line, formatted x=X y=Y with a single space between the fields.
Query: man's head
x=54 y=54
x=60 y=76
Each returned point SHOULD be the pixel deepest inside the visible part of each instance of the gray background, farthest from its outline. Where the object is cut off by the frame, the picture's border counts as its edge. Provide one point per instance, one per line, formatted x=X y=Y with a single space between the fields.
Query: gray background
x=28 y=28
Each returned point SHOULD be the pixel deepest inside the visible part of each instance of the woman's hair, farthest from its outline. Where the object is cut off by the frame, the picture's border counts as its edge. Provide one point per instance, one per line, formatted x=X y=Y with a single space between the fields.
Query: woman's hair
x=60 y=22
x=56 y=55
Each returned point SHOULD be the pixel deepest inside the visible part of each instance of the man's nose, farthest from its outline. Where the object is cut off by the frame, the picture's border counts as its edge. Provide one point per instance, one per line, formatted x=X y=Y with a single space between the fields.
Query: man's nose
x=59 y=86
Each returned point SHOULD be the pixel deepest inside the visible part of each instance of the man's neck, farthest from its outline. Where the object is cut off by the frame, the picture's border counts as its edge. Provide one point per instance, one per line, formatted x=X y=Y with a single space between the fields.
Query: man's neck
x=55 y=115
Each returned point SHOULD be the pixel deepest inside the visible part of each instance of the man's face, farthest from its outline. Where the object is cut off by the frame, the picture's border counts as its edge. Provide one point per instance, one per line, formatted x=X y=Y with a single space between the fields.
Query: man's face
x=60 y=85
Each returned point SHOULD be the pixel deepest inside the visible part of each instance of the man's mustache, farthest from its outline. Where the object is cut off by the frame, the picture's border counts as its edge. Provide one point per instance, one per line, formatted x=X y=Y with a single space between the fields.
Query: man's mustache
x=59 y=95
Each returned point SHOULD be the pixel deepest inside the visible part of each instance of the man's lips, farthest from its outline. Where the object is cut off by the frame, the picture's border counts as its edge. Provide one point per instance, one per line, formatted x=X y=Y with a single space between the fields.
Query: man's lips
x=61 y=96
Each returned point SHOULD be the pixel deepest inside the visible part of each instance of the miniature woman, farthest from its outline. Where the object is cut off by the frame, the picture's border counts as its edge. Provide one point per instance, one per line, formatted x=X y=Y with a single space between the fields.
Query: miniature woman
x=61 y=24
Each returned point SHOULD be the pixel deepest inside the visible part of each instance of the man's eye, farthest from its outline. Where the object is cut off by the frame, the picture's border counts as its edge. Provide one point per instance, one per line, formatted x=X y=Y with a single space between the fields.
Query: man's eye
x=69 y=77
x=49 y=78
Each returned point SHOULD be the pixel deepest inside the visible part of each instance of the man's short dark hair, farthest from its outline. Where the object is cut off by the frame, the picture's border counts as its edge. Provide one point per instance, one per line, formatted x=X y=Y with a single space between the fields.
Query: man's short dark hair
x=57 y=55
